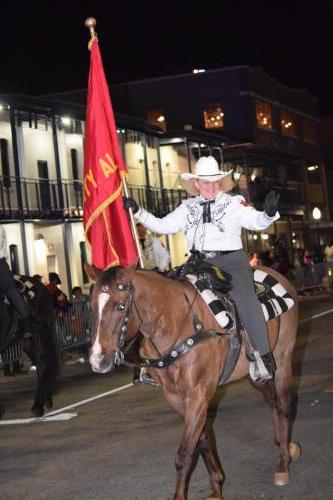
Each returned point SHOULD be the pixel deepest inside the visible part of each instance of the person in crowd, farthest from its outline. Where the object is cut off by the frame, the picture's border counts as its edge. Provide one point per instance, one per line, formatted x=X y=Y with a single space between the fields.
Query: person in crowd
x=255 y=259
x=282 y=256
x=9 y=288
x=212 y=224
x=78 y=295
x=267 y=258
x=37 y=277
x=329 y=253
x=61 y=302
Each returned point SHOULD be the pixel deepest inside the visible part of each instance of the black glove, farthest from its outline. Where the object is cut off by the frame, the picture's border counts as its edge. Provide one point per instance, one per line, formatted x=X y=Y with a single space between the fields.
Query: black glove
x=131 y=203
x=271 y=203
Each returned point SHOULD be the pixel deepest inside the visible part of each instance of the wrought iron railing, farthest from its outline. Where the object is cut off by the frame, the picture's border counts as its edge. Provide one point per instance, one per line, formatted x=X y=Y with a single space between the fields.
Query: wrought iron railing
x=24 y=198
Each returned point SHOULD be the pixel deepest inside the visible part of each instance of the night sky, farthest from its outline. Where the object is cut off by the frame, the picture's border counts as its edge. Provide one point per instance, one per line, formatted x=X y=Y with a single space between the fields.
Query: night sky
x=44 y=48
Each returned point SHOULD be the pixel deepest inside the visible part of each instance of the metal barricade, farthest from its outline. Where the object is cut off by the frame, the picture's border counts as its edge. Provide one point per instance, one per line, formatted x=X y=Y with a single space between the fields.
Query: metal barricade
x=73 y=329
x=73 y=326
x=12 y=353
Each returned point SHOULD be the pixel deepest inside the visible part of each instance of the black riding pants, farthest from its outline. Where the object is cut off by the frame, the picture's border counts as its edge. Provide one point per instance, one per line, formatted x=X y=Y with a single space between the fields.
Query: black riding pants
x=245 y=298
x=8 y=287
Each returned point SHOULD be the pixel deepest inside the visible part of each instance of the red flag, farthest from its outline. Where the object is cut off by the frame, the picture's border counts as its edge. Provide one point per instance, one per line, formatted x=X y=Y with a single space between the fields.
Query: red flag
x=105 y=220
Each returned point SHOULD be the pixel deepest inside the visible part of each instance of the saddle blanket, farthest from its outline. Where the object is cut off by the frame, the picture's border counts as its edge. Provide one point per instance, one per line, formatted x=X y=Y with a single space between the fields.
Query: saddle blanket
x=274 y=298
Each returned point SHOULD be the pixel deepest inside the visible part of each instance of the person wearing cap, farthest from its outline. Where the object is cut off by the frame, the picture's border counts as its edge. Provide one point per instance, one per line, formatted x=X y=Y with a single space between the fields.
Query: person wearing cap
x=60 y=299
x=9 y=288
x=212 y=223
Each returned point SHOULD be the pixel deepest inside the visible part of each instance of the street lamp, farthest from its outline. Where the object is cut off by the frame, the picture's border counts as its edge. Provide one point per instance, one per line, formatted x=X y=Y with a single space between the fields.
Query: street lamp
x=316 y=214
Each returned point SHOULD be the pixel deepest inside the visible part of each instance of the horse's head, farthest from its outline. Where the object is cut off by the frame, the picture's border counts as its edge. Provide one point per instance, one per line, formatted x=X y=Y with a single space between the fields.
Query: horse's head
x=111 y=304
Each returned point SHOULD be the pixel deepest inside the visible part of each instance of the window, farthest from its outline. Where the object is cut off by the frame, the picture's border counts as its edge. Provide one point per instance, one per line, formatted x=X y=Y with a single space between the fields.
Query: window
x=5 y=163
x=213 y=116
x=264 y=115
x=83 y=255
x=288 y=124
x=75 y=170
x=14 y=260
x=310 y=132
x=156 y=117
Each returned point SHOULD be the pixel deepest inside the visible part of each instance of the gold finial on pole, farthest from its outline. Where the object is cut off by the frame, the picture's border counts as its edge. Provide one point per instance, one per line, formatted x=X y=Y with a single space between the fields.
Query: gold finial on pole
x=90 y=23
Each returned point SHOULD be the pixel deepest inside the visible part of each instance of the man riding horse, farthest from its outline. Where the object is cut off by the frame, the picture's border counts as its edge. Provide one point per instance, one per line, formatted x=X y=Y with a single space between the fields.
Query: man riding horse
x=212 y=224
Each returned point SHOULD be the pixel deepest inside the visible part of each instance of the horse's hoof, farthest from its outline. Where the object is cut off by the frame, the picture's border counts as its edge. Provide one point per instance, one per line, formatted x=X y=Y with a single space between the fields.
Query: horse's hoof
x=281 y=478
x=37 y=412
x=294 y=451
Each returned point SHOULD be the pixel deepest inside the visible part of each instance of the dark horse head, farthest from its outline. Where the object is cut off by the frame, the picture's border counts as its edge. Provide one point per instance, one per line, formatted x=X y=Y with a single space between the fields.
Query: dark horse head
x=111 y=305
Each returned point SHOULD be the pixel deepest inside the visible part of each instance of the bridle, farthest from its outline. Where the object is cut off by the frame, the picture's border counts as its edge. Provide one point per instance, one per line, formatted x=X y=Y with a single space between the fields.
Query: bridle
x=119 y=354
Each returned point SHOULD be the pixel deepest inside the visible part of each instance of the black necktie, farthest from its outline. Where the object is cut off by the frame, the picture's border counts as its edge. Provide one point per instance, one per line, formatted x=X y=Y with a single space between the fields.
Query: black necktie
x=206 y=215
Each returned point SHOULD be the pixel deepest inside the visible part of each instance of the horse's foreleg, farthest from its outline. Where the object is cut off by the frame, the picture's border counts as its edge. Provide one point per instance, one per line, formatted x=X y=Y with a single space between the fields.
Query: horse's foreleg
x=207 y=449
x=195 y=418
x=284 y=411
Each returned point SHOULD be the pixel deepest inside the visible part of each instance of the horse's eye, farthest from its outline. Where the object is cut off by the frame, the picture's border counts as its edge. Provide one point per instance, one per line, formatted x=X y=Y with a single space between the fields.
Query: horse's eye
x=121 y=306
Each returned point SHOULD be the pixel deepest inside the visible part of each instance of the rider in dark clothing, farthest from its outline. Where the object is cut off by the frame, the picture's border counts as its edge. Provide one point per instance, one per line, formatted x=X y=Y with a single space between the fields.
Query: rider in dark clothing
x=8 y=286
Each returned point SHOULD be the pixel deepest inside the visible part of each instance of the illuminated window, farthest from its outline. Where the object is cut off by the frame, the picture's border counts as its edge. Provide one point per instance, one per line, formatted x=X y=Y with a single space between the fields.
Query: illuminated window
x=157 y=117
x=310 y=132
x=213 y=116
x=264 y=115
x=288 y=124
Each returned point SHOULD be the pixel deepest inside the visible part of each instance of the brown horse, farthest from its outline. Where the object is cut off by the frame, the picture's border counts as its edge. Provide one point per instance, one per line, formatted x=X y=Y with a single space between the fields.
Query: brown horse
x=126 y=301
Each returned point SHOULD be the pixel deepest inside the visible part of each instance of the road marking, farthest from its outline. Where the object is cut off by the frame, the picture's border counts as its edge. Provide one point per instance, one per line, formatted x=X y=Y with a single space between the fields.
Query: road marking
x=33 y=420
x=85 y=401
x=316 y=316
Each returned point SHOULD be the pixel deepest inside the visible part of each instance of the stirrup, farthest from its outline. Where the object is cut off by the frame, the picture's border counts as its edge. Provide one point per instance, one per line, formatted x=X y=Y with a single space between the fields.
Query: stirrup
x=262 y=368
x=144 y=378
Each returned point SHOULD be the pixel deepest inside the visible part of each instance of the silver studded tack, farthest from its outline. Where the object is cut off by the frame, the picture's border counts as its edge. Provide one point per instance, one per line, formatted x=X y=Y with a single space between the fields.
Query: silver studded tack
x=120 y=287
x=198 y=326
x=124 y=328
x=174 y=354
x=126 y=319
x=160 y=363
x=189 y=341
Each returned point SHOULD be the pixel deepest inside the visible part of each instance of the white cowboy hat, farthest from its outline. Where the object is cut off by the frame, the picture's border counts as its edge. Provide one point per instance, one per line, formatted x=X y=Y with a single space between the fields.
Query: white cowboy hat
x=206 y=169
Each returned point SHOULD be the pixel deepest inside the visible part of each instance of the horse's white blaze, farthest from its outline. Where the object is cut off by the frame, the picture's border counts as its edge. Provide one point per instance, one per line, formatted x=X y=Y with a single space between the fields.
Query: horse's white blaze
x=103 y=298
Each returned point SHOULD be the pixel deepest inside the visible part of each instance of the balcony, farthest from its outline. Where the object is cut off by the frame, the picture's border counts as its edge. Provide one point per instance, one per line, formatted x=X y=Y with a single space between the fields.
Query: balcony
x=27 y=199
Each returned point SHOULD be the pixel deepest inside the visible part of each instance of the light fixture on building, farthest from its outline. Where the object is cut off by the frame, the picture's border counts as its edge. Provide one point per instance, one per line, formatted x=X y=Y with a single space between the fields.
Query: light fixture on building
x=265 y=236
x=198 y=70
x=40 y=248
x=161 y=119
x=255 y=236
x=316 y=213
x=237 y=176
x=253 y=176
x=1 y=107
x=311 y=168
x=65 y=120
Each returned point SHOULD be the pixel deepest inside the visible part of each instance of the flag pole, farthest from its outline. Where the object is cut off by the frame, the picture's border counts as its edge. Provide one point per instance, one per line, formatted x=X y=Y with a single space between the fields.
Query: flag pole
x=133 y=225
x=90 y=23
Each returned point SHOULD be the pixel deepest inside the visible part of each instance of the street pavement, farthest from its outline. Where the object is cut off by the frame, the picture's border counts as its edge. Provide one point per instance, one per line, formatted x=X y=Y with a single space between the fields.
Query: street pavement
x=123 y=446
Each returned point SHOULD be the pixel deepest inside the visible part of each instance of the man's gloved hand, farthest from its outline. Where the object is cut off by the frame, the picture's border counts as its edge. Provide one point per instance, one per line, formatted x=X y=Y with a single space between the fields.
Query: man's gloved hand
x=131 y=203
x=271 y=203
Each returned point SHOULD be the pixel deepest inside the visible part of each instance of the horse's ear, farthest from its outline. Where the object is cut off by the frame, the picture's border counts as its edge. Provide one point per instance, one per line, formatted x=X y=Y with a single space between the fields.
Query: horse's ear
x=92 y=271
x=128 y=271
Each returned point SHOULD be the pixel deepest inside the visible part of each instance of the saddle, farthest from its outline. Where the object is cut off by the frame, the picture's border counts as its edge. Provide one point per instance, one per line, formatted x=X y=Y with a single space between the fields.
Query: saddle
x=213 y=284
